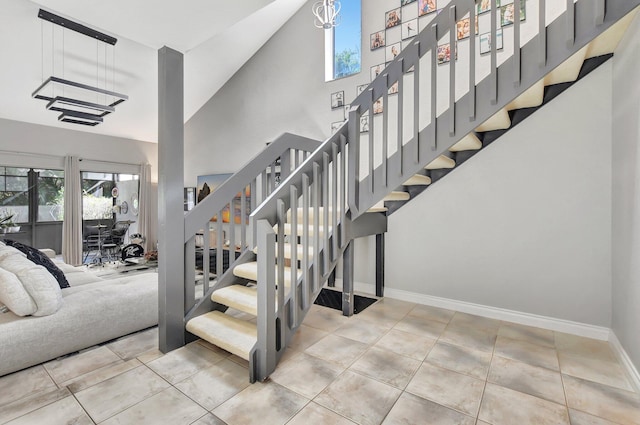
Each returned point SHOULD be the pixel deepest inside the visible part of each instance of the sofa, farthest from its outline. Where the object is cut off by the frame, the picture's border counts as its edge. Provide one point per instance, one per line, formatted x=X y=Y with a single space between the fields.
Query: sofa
x=90 y=311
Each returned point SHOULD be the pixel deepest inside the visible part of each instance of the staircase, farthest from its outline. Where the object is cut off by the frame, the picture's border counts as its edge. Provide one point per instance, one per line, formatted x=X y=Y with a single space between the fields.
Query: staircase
x=341 y=189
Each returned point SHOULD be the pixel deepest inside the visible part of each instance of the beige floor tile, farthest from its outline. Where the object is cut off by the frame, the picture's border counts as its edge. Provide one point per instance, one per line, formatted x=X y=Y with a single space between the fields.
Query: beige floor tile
x=359 y=398
x=386 y=366
x=526 y=352
x=216 y=384
x=24 y=383
x=214 y=348
x=460 y=359
x=428 y=312
x=410 y=409
x=529 y=334
x=132 y=346
x=305 y=337
x=605 y=372
x=473 y=338
x=65 y=411
x=89 y=379
x=532 y=380
x=184 y=362
x=498 y=408
x=451 y=389
x=606 y=402
x=65 y=369
x=150 y=356
x=419 y=326
x=168 y=407
x=306 y=375
x=415 y=346
x=581 y=418
x=316 y=414
x=383 y=316
x=585 y=347
x=324 y=318
x=361 y=330
x=338 y=350
x=261 y=403
x=28 y=404
x=391 y=304
x=239 y=361
x=476 y=322
x=209 y=419
x=114 y=395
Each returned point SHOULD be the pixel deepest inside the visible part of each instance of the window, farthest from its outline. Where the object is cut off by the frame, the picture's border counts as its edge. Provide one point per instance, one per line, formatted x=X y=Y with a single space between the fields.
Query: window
x=97 y=202
x=50 y=195
x=14 y=193
x=342 y=43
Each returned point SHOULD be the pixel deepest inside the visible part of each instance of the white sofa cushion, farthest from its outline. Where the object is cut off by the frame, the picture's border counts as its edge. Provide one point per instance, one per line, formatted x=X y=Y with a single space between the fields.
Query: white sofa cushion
x=14 y=296
x=38 y=282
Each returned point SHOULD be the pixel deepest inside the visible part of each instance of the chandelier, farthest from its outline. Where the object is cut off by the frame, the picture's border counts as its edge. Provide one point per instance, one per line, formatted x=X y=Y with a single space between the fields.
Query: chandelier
x=326 y=13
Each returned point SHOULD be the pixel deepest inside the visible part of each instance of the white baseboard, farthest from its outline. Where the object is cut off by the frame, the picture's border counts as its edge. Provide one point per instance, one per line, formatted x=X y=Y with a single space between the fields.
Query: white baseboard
x=624 y=359
x=544 y=322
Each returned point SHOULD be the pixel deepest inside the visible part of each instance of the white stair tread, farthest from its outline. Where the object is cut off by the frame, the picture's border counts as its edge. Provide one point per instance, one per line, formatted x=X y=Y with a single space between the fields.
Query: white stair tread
x=569 y=70
x=468 y=143
x=397 y=196
x=240 y=297
x=532 y=97
x=499 y=121
x=418 y=180
x=441 y=162
x=608 y=40
x=250 y=271
x=231 y=334
x=378 y=208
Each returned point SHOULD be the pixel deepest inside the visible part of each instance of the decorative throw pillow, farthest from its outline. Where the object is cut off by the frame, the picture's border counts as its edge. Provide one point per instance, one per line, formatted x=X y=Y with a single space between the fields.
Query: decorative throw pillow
x=38 y=282
x=42 y=260
x=14 y=296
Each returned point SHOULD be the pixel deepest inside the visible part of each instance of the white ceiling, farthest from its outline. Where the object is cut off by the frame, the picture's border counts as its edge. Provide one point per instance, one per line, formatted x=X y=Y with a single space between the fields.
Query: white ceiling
x=216 y=36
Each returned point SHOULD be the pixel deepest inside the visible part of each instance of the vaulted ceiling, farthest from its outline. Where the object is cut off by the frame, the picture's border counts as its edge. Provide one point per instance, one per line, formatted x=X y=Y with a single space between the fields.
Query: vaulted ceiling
x=216 y=36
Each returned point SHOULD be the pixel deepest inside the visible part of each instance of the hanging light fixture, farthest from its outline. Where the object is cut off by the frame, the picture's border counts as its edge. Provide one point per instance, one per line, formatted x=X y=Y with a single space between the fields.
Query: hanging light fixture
x=326 y=14
x=84 y=107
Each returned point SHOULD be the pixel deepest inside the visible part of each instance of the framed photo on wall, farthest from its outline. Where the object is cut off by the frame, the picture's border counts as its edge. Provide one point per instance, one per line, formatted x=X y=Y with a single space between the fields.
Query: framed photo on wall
x=485 y=41
x=392 y=18
x=377 y=40
x=335 y=126
x=406 y=2
x=409 y=29
x=391 y=52
x=376 y=70
x=364 y=123
x=361 y=88
x=426 y=7
x=337 y=99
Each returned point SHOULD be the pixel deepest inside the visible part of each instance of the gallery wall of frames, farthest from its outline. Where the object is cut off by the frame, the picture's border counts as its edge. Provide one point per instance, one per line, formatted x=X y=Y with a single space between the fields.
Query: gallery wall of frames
x=404 y=20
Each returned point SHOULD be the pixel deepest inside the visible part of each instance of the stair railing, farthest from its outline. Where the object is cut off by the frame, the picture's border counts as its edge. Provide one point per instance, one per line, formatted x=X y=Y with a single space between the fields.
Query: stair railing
x=331 y=191
x=227 y=210
x=440 y=100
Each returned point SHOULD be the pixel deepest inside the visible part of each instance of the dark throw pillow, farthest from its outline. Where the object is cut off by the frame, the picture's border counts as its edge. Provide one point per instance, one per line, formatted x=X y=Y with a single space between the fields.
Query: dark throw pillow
x=41 y=259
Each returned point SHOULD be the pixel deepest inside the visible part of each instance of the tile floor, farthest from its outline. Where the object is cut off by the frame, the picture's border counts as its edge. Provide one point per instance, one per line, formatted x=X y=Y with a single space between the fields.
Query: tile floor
x=395 y=363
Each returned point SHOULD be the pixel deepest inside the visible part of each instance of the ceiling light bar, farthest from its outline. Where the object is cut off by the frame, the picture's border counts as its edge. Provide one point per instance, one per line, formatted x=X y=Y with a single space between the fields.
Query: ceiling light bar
x=74 y=26
x=65 y=103
x=36 y=94
x=75 y=117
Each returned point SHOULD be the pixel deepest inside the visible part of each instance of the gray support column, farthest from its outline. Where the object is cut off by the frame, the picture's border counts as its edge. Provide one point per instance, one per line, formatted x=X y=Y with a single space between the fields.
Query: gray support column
x=347 y=280
x=171 y=300
x=380 y=265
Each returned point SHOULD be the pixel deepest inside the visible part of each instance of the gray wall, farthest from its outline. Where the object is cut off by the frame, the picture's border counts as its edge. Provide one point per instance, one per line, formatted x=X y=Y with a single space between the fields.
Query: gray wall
x=626 y=192
x=526 y=224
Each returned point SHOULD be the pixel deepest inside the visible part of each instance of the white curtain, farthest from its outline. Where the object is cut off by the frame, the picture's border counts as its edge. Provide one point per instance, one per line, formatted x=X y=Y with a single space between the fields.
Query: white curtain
x=72 y=224
x=145 y=208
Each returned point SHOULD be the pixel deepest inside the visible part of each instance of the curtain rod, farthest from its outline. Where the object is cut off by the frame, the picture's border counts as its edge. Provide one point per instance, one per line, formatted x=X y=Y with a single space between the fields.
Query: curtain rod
x=42 y=155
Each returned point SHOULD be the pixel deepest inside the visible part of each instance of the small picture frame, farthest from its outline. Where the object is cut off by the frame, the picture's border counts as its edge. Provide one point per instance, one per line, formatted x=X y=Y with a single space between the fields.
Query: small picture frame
x=406 y=2
x=426 y=6
x=393 y=89
x=346 y=111
x=393 y=18
x=463 y=28
x=377 y=40
x=485 y=6
x=378 y=107
x=361 y=88
x=376 y=70
x=364 y=123
x=337 y=99
x=507 y=13
x=485 y=41
x=391 y=51
x=335 y=126
x=409 y=29
x=444 y=53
